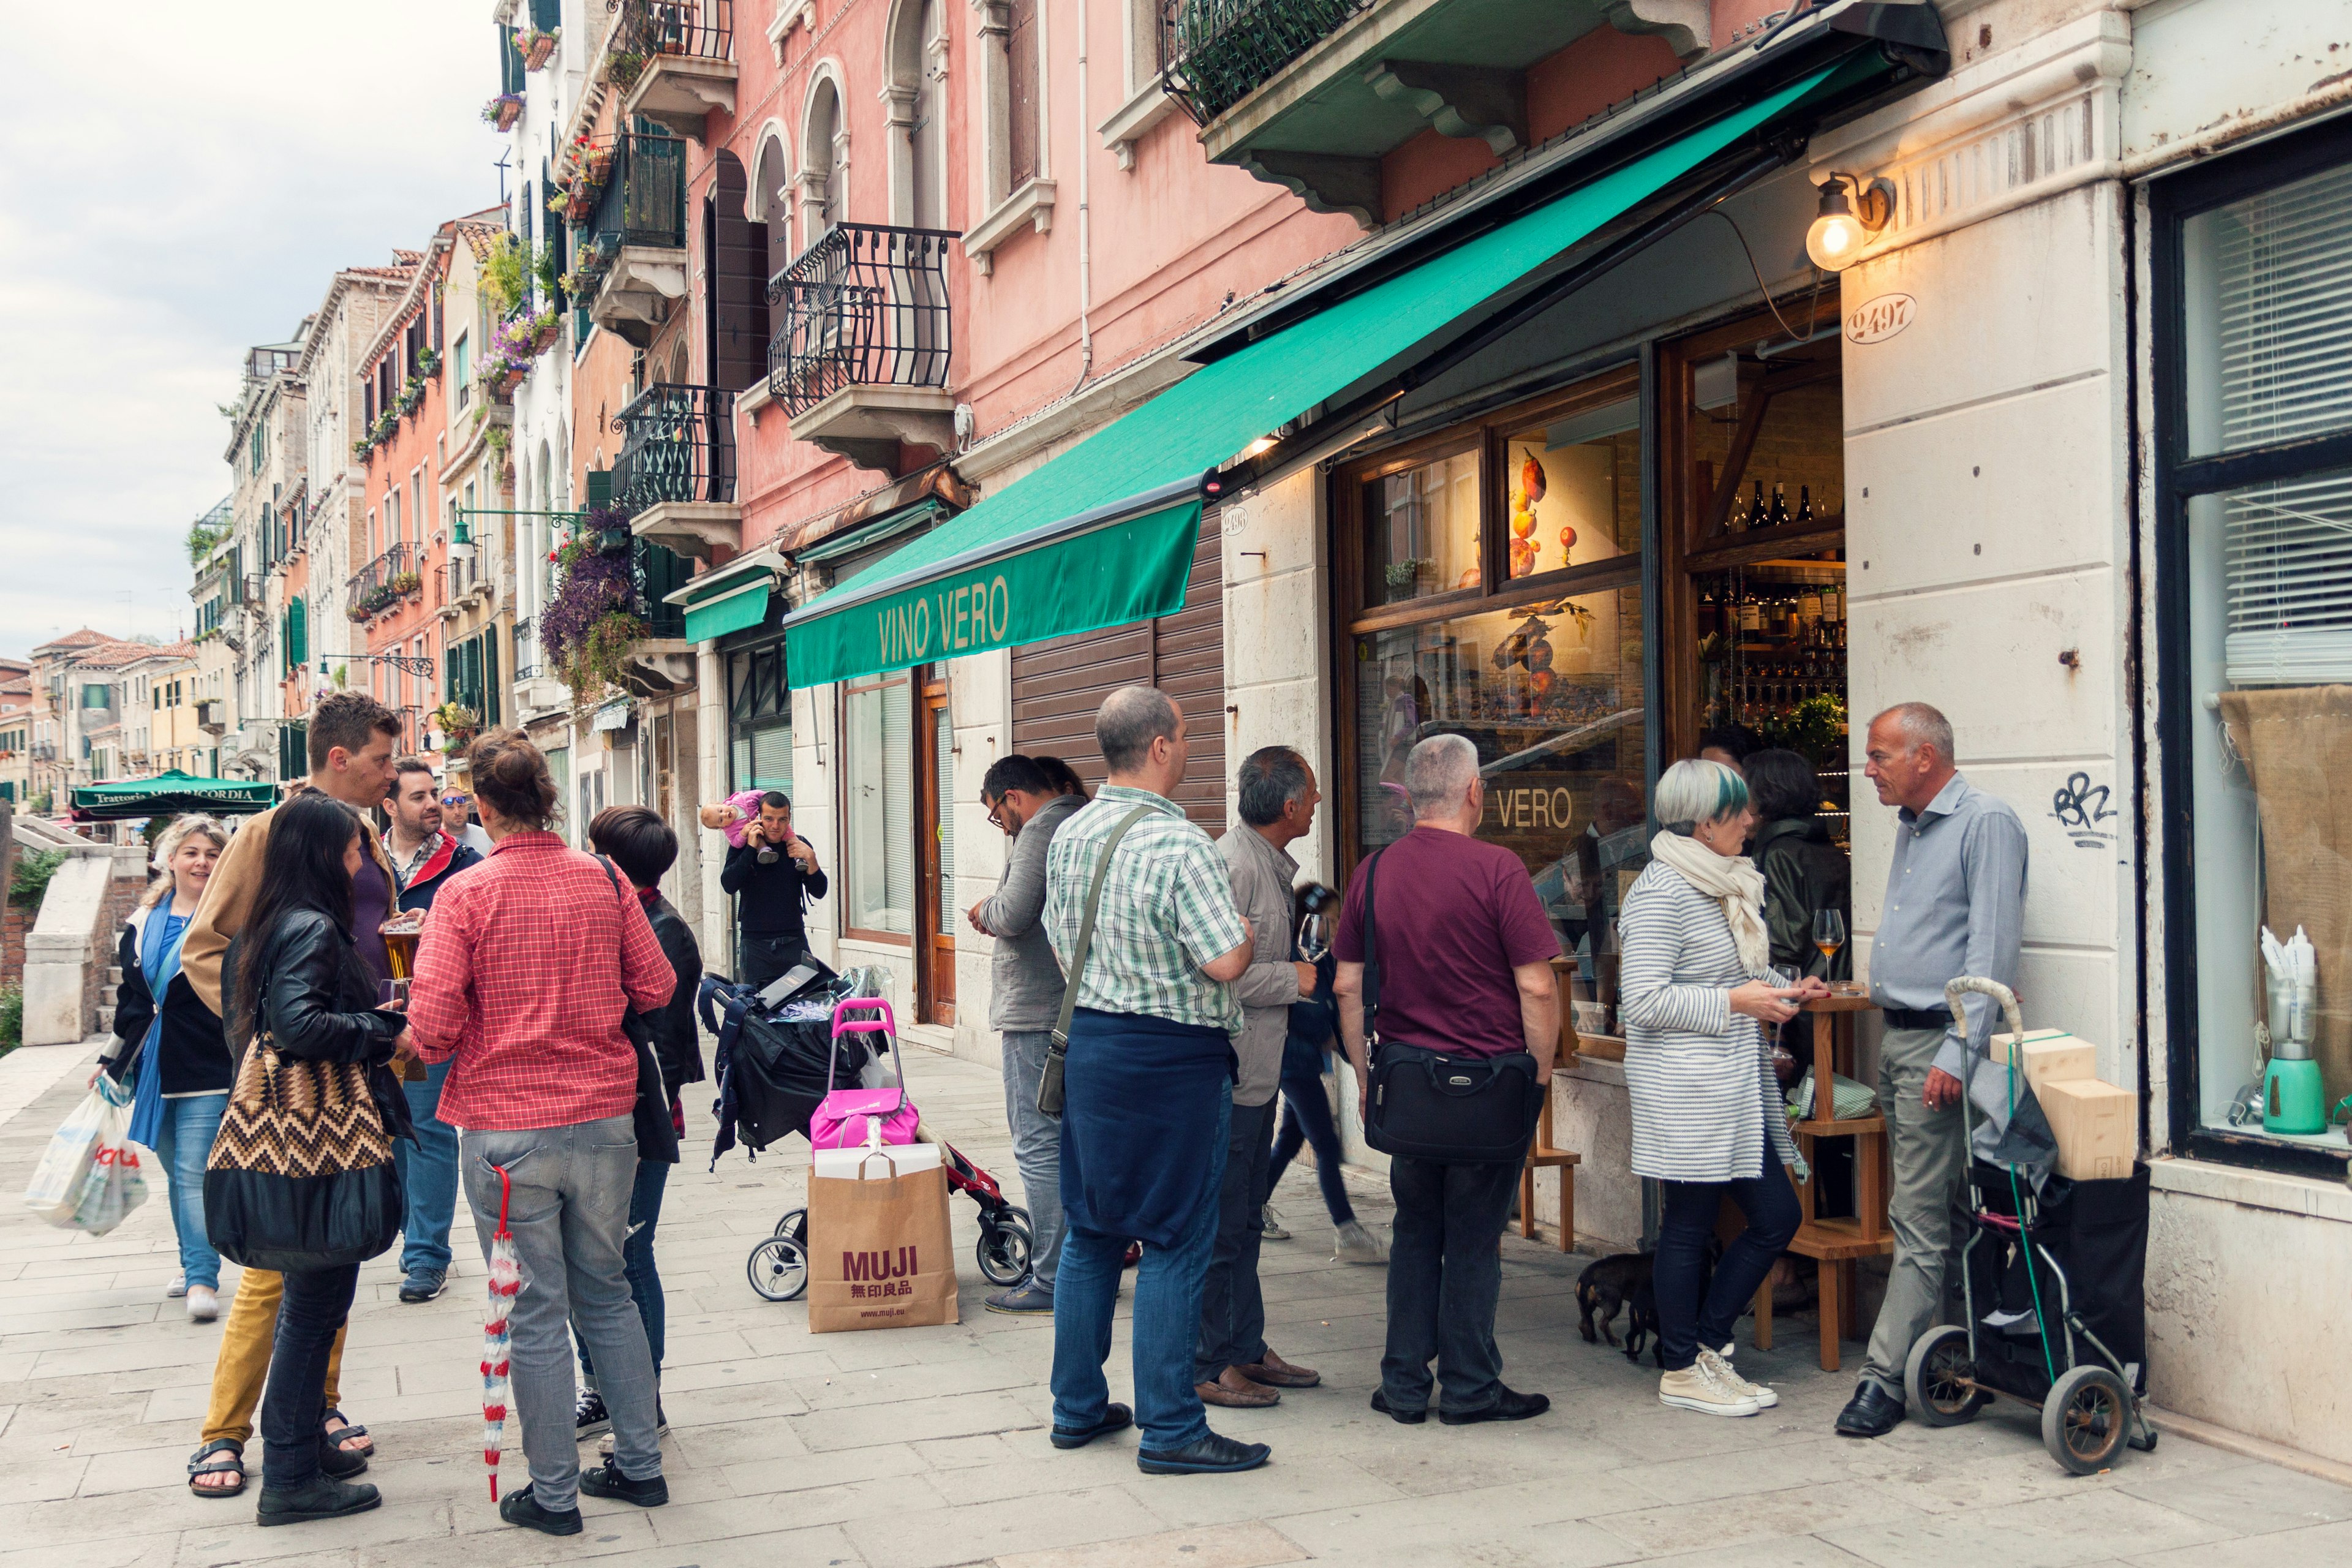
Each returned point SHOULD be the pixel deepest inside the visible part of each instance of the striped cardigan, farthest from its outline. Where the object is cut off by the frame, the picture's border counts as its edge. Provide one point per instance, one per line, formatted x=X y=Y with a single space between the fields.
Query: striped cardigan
x=1698 y=1074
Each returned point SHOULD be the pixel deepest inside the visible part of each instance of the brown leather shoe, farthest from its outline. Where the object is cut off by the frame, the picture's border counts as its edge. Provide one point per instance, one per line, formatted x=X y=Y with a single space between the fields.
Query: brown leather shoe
x=1276 y=1372
x=1235 y=1392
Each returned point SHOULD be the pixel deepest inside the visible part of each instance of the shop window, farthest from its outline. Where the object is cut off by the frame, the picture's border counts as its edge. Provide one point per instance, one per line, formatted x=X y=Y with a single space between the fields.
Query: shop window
x=758 y=720
x=877 y=808
x=1422 y=530
x=2256 y=585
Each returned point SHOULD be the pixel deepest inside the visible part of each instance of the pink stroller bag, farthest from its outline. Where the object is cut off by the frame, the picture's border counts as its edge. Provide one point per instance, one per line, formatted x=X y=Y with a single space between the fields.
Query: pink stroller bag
x=844 y=1116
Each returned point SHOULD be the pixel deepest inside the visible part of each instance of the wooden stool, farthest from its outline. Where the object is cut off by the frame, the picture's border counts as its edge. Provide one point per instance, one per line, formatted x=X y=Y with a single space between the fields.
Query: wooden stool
x=1542 y=1155
x=1834 y=1244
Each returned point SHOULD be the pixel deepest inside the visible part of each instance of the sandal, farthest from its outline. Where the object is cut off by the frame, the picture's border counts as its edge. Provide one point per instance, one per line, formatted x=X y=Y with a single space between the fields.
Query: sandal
x=202 y=1463
x=338 y=1438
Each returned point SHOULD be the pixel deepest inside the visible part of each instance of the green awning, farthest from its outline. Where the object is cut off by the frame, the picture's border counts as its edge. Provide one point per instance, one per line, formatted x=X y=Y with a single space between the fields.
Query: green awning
x=169 y=794
x=730 y=612
x=1103 y=534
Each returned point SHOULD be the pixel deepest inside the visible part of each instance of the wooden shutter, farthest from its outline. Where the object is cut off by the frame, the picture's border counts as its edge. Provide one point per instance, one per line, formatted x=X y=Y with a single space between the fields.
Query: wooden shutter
x=1022 y=75
x=1058 y=685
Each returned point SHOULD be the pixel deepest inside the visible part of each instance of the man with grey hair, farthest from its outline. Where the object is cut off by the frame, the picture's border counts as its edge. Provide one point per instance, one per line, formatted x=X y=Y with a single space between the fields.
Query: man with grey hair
x=1147 y=1095
x=1465 y=954
x=1232 y=1365
x=1955 y=905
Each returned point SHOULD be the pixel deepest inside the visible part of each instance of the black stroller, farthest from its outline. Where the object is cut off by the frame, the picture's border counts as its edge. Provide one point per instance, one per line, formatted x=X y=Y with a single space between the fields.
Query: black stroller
x=2052 y=1283
x=774 y=1068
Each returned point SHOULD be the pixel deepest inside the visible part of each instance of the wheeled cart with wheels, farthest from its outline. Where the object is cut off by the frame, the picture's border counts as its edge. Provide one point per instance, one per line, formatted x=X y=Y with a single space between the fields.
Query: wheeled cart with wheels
x=2051 y=1285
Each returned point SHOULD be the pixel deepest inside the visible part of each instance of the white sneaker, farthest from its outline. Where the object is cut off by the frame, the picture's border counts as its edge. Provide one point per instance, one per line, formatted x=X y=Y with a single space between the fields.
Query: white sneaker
x=1719 y=1363
x=1270 y=1225
x=203 y=1305
x=1694 y=1388
x=1357 y=1245
x=177 y=1288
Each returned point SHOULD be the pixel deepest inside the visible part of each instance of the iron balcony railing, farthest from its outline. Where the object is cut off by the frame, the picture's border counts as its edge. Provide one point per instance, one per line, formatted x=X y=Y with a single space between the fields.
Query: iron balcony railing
x=677 y=444
x=644 y=198
x=699 y=29
x=1214 y=53
x=372 y=586
x=866 y=305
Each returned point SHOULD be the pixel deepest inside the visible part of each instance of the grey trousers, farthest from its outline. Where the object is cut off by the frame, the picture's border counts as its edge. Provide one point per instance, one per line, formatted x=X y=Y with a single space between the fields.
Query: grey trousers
x=569 y=1215
x=1037 y=1149
x=1233 y=1308
x=1924 y=1147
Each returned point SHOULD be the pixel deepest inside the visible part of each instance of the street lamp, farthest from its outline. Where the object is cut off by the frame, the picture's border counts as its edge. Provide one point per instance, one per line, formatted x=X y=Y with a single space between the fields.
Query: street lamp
x=1842 y=226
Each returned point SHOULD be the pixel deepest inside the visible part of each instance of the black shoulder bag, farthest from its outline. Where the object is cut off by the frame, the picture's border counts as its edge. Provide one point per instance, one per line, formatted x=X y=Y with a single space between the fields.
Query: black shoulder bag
x=649 y=1117
x=1425 y=1105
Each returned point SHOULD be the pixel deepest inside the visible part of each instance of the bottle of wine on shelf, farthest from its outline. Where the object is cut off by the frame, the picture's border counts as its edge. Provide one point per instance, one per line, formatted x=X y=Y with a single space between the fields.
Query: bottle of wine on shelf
x=1779 y=513
x=1755 y=517
x=1804 y=505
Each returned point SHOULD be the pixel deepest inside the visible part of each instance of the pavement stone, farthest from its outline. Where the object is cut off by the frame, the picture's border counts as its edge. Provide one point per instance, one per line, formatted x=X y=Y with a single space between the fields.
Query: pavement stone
x=925 y=1447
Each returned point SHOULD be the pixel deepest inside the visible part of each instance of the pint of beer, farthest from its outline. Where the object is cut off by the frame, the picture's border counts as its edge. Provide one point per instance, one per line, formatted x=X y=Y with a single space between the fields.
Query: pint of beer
x=401 y=934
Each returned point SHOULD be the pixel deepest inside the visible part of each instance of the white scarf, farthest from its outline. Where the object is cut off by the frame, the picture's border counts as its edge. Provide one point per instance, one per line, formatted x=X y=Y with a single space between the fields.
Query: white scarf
x=1732 y=881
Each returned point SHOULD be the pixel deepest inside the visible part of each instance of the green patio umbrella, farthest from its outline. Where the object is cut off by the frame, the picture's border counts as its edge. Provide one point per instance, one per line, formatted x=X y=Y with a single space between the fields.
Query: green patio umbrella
x=168 y=794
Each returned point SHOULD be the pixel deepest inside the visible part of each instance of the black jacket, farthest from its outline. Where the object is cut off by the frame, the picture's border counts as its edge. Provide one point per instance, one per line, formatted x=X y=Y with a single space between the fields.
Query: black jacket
x=677 y=1040
x=317 y=1002
x=449 y=856
x=773 y=896
x=193 y=1049
x=1804 y=871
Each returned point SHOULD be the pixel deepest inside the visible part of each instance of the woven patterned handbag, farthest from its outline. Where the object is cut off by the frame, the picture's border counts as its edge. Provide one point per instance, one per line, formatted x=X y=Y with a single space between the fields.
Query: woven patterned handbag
x=301 y=1173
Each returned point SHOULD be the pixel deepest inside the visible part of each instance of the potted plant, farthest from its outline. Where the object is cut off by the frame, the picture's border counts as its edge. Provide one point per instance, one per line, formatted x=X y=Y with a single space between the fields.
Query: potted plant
x=609 y=525
x=412 y=393
x=353 y=613
x=361 y=448
x=404 y=584
x=502 y=111
x=537 y=47
x=428 y=362
x=456 y=721
x=590 y=621
x=622 y=67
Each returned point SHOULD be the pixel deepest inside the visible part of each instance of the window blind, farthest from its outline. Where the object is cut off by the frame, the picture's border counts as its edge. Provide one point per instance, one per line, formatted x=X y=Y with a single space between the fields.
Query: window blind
x=2281 y=298
x=2287 y=554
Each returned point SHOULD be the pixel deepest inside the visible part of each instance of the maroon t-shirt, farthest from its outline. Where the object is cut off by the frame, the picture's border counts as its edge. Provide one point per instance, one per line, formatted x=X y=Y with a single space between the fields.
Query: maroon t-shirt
x=1456 y=916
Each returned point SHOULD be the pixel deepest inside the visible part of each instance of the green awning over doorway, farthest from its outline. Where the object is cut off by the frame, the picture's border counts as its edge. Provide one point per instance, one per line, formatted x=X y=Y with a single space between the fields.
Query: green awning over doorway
x=169 y=794
x=1103 y=534
x=739 y=607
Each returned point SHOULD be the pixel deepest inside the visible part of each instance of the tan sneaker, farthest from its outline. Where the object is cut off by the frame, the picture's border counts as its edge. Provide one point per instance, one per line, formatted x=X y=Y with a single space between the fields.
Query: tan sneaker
x=1692 y=1388
x=1720 y=1368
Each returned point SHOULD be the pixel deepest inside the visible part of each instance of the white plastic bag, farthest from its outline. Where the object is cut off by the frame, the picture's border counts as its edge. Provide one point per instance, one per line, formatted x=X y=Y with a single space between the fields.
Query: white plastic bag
x=89 y=1177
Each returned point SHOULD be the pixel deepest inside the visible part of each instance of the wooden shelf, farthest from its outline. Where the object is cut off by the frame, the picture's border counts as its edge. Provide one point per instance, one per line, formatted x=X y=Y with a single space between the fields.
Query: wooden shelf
x=1837 y=1240
x=1871 y=1126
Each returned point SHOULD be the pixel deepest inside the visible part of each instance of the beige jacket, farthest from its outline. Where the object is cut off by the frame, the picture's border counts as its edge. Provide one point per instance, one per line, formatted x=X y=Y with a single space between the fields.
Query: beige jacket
x=228 y=900
x=1263 y=877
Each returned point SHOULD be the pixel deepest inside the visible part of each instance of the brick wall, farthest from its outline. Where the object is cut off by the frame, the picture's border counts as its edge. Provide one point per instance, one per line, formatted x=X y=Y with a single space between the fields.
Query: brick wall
x=13 y=923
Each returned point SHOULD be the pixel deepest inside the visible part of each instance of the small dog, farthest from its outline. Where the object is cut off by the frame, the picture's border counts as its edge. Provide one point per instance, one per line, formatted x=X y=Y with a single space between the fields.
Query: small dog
x=1608 y=1284
x=1643 y=1322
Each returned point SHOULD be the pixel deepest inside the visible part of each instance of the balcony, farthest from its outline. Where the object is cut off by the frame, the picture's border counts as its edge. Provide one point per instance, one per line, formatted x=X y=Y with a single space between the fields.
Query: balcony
x=859 y=359
x=687 y=46
x=381 y=585
x=457 y=586
x=676 y=475
x=1311 y=94
x=211 y=717
x=637 y=237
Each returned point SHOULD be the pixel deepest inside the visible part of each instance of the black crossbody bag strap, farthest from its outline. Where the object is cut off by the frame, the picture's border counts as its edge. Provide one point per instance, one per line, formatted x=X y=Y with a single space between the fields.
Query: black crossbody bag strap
x=1371 y=957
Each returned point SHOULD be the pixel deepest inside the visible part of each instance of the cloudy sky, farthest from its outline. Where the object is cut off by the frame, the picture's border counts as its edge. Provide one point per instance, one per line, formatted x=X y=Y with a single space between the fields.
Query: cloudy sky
x=178 y=182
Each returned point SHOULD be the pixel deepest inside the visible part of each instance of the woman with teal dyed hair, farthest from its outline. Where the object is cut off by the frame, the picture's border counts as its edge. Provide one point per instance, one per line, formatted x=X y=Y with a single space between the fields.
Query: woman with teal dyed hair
x=1698 y=986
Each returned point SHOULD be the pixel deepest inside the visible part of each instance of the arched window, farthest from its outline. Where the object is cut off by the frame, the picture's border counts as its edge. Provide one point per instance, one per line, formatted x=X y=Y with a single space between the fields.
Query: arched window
x=770 y=200
x=824 y=196
x=916 y=100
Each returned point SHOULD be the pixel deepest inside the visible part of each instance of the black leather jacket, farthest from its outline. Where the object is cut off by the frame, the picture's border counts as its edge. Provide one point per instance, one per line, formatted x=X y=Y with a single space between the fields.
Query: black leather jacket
x=317 y=1002
x=1804 y=871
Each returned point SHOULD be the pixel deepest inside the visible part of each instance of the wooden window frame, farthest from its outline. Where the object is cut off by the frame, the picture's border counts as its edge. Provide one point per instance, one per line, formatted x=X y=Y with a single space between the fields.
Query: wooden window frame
x=906 y=677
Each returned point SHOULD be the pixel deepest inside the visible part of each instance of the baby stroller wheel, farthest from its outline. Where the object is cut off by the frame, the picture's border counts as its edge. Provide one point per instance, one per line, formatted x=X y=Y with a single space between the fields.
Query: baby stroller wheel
x=1937 y=1377
x=794 y=1224
x=2086 y=1418
x=778 y=1268
x=1003 y=1250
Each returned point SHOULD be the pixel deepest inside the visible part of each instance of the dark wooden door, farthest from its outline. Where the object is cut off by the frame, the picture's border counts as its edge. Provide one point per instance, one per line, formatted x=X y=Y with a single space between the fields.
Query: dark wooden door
x=1058 y=685
x=936 y=917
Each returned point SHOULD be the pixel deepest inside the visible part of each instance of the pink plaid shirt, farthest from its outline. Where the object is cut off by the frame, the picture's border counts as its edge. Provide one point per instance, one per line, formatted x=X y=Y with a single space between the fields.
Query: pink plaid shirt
x=526 y=967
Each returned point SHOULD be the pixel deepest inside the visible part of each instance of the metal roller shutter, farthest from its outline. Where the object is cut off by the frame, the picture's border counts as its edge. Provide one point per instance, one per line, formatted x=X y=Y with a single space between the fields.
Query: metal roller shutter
x=1058 y=685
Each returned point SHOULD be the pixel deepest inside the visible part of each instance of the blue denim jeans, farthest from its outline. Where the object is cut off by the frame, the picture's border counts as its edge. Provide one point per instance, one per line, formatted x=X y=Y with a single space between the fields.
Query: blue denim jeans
x=190 y=1123
x=1037 y=1149
x=309 y=1315
x=428 y=1176
x=637 y=1260
x=1306 y=1119
x=1167 y=1318
x=1686 y=1319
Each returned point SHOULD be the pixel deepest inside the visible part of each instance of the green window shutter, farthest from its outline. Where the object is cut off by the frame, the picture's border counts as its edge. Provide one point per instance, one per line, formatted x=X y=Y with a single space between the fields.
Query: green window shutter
x=301 y=634
x=600 y=488
x=491 y=676
x=509 y=62
x=449 y=671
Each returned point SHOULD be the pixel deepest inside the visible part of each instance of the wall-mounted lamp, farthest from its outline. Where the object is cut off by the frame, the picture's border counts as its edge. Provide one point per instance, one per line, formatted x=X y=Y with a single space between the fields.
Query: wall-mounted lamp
x=1845 y=224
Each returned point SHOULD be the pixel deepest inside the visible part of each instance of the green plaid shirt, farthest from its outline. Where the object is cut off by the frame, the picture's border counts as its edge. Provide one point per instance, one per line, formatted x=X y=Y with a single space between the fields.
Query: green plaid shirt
x=1167 y=908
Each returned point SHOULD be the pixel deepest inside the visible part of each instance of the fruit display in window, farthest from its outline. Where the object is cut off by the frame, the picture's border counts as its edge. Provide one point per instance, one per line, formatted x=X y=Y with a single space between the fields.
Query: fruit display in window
x=1539 y=656
x=1523 y=524
x=1518 y=500
x=1541 y=682
x=1531 y=477
x=1567 y=540
x=1469 y=579
x=1523 y=557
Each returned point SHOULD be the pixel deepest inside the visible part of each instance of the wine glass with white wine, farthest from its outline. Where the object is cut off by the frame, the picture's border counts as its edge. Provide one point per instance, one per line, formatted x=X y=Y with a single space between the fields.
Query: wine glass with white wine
x=1828 y=933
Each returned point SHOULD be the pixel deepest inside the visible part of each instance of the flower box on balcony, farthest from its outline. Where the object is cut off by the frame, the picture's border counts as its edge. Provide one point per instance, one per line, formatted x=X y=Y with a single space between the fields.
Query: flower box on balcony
x=503 y=110
x=404 y=584
x=428 y=362
x=355 y=612
x=536 y=47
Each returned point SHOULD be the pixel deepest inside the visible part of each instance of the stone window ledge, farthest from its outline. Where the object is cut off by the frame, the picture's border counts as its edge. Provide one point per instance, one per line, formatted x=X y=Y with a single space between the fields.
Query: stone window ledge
x=1032 y=204
x=2312 y=1196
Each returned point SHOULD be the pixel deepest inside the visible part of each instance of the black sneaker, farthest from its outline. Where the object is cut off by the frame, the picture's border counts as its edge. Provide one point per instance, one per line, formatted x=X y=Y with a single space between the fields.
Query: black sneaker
x=606 y=1481
x=322 y=1497
x=588 y=1417
x=423 y=1285
x=521 y=1508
